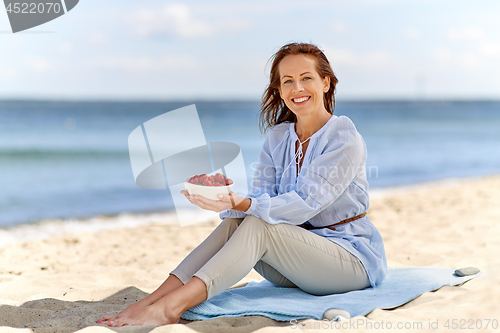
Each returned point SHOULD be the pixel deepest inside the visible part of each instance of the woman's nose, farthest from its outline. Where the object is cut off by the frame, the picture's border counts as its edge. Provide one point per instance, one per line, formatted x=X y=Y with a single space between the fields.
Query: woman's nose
x=297 y=87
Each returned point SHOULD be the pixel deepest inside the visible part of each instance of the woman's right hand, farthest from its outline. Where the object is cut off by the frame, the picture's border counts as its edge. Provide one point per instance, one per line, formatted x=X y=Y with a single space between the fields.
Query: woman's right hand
x=186 y=194
x=227 y=201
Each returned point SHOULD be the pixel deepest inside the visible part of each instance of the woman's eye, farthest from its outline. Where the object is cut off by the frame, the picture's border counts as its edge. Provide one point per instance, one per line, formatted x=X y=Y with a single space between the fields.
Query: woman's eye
x=287 y=81
x=307 y=77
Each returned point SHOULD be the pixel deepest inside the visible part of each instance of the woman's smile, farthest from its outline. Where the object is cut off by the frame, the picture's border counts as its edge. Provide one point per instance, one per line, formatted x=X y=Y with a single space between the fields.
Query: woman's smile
x=301 y=100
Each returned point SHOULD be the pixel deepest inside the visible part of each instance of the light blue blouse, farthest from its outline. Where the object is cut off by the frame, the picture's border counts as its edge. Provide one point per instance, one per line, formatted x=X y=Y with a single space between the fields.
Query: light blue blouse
x=330 y=187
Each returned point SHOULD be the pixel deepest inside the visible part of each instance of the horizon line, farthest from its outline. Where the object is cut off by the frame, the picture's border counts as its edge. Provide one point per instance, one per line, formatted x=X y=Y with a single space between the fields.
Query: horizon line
x=242 y=100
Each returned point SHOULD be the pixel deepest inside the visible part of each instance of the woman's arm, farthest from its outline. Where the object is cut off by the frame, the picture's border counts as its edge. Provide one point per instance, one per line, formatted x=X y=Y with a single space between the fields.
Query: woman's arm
x=244 y=205
x=264 y=180
x=325 y=179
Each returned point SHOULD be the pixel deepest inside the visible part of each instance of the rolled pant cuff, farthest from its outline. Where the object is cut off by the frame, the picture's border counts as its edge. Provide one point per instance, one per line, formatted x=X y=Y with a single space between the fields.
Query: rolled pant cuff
x=181 y=275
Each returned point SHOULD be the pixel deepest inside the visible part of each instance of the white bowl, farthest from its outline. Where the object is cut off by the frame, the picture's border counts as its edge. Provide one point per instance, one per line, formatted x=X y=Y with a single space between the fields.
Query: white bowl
x=209 y=192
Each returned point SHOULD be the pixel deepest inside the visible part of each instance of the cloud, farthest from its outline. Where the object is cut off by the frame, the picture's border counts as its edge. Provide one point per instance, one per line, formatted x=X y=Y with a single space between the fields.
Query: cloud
x=446 y=58
x=340 y=27
x=374 y=61
x=145 y=64
x=65 y=48
x=481 y=53
x=442 y=55
x=489 y=49
x=8 y=72
x=481 y=58
x=412 y=33
x=177 y=21
x=97 y=38
x=38 y=64
x=465 y=33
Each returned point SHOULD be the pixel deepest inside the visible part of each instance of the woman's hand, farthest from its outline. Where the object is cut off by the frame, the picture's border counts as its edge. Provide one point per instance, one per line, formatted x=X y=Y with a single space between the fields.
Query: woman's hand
x=226 y=201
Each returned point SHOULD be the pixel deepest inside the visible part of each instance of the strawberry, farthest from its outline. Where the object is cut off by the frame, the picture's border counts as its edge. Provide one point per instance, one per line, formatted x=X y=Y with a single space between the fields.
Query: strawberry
x=202 y=178
x=220 y=178
x=229 y=181
x=218 y=184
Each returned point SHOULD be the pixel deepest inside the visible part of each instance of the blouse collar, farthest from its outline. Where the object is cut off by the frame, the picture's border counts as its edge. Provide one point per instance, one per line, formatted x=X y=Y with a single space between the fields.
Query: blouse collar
x=294 y=136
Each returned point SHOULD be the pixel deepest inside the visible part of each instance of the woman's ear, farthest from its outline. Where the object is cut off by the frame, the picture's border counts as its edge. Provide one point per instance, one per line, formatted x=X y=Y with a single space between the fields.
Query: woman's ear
x=326 y=82
x=279 y=90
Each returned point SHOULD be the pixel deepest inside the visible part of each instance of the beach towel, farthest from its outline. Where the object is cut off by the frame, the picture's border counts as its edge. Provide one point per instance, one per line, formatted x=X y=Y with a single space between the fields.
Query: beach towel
x=284 y=304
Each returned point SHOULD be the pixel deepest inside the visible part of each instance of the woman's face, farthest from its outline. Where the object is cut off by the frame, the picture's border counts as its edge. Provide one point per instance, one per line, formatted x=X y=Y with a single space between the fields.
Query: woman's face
x=301 y=87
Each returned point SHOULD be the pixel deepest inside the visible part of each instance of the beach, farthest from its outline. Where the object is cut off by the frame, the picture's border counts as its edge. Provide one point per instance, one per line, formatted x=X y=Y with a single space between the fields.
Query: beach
x=59 y=279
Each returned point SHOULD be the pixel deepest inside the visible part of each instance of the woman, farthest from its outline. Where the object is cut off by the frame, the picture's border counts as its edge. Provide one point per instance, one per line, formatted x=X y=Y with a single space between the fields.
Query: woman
x=311 y=175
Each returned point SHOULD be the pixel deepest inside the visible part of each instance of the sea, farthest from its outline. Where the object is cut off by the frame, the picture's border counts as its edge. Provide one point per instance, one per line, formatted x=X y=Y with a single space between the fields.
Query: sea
x=70 y=159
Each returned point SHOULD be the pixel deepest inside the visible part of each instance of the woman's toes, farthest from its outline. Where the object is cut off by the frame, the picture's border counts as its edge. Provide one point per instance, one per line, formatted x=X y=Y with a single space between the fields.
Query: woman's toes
x=118 y=323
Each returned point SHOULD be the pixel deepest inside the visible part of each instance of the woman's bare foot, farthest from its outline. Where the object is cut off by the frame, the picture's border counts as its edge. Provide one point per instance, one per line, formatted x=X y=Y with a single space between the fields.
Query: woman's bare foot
x=155 y=314
x=166 y=310
x=123 y=314
x=172 y=283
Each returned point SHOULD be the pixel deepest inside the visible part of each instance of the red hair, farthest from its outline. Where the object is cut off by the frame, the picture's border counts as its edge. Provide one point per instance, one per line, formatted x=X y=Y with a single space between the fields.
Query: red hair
x=273 y=109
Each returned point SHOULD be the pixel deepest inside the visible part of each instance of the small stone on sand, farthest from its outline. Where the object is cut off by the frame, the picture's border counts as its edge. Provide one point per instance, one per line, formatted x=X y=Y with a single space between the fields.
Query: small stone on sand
x=467 y=271
x=333 y=313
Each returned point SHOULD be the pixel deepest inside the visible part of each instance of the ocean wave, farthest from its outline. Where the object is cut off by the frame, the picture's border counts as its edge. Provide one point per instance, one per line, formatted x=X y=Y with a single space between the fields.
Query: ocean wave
x=57 y=227
x=60 y=153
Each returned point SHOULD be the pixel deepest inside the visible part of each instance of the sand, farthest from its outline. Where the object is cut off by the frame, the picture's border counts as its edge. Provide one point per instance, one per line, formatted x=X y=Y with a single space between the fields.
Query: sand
x=65 y=282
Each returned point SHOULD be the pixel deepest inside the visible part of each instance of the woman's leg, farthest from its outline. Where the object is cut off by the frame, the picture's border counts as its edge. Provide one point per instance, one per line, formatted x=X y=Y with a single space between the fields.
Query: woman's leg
x=182 y=274
x=169 y=285
x=196 y=259
x=272 y=275
x=206 y=250
x=311 y=262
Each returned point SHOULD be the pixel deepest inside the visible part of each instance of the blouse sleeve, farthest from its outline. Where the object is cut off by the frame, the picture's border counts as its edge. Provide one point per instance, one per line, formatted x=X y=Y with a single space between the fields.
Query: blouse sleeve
x=264 y=180
x=324 y=180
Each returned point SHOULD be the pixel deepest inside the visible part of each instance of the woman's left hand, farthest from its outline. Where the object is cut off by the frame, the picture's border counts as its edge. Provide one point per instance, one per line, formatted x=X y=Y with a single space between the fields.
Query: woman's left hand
x=223 y=203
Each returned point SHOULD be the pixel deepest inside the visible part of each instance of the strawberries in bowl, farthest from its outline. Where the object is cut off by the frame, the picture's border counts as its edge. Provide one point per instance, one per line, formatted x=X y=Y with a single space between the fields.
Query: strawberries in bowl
x=208 y=186
x=214 y=180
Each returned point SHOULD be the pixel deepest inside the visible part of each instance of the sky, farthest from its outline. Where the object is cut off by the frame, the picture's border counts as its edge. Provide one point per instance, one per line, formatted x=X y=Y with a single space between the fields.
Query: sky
x=213 y=50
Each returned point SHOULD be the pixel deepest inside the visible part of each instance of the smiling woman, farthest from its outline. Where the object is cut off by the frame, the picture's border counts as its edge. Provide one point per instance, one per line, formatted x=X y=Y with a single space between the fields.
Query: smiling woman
x=274 y=108
x=304 y=223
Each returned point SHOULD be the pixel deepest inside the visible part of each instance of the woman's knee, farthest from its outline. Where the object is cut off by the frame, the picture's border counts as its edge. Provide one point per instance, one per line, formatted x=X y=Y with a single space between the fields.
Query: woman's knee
x=231 y=222
x=252 y=224
x=250 y=219
x=273 y=275
x=226 y=228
